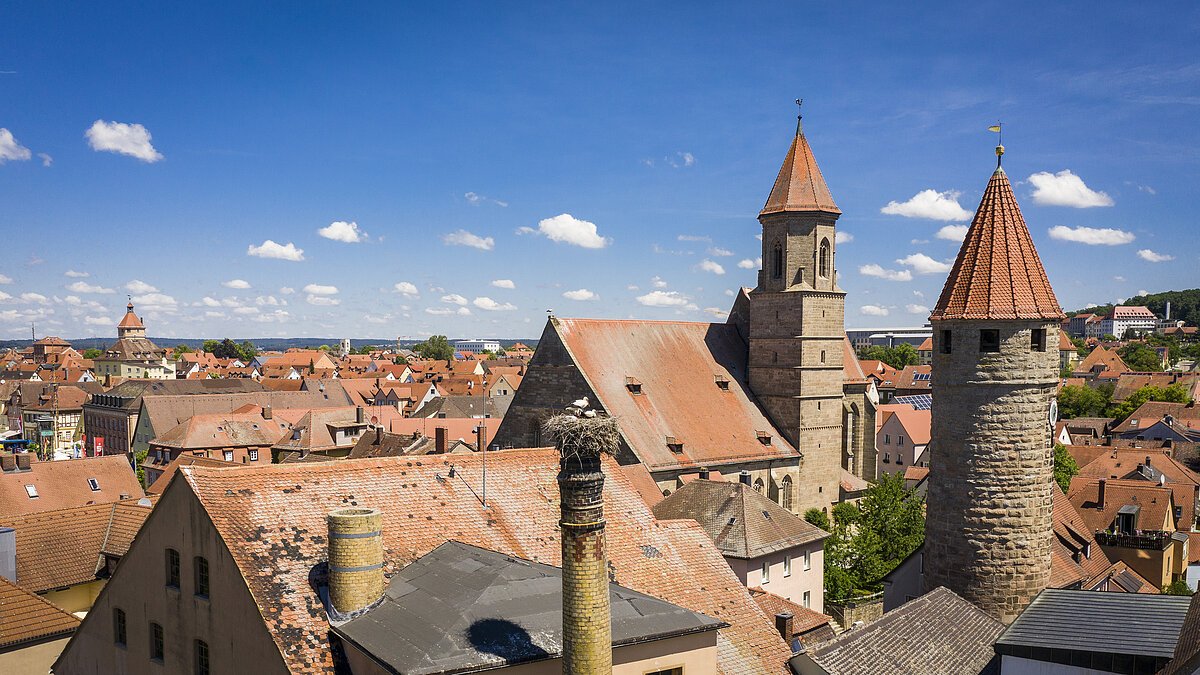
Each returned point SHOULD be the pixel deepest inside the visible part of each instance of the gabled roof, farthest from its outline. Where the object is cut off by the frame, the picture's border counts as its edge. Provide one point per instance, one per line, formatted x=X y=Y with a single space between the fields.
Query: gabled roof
x=492 y=610
x=64 y=484
x=804 y=620
x=938 y=632
x=1113 y=365
x=740 y=520
x=916 y=423
x=26 y=617
x=276 y=535
x=998 y=275
x=799 y=185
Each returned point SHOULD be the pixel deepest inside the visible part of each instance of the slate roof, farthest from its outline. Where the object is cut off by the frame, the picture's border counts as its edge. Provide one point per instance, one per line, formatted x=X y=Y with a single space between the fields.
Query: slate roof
x=677 y=364
x=27 y=618
x=462 y=608
x=799 y=185
x=998 y=275
x=938 y=633
x=64 y=484
x=739 y=519
x=58 y=549
x=1186 y=660
x=1109 y=623
x=272 y=519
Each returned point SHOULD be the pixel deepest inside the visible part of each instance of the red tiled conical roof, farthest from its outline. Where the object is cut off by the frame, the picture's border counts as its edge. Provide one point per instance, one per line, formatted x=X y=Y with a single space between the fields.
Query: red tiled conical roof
x=800 y=186
x=130 y=320
x=998 y=274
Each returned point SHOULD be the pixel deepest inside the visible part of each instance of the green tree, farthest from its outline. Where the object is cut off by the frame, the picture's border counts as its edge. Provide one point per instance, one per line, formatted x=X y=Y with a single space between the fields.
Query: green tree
x=210 y=346
x=1178 y=587
x=138 y=458
x=871 y=538
x=1175 y=393
x=312 y=368
x=92 y=353
x=1140 y=357
x=247 y=351
x=1108 y=337
x=817 y=517
x=1081 y=347
x=180 y=350
x=1081 y=401
x=1065 y=466
x=899 y=356
x=436 y=347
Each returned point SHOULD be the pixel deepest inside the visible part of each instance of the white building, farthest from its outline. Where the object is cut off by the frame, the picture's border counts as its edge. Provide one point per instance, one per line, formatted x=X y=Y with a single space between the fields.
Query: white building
x=477 y=346
x=1124 y=318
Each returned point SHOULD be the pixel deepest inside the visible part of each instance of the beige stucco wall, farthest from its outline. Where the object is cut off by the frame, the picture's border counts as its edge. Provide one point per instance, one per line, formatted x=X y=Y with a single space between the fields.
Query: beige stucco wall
x=696 y=654
x=76 y=598
x=790 y=587
x=35 y=659
x=228 y=620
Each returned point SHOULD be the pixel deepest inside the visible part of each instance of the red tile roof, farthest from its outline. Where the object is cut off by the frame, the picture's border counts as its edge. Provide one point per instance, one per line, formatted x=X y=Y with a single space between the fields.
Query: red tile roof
x=272 y=518
x=27 y=617
x=130 y=320
x=64 y=484
x=998 y=274
x=800 y=185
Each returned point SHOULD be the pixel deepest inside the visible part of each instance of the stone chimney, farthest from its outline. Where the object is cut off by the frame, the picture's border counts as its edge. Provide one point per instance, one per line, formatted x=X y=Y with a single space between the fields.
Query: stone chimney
x=587 y=620
x=704 y=474
x=355 y=559
x=266 y=412
x=481 y=437
x=744 y=477
x=1100 y=494
x=783 y=623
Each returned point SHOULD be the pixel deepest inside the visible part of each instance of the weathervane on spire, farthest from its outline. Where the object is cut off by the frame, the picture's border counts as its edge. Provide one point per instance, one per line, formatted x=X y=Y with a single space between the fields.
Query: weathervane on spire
x=799 y=103
x=998 y=128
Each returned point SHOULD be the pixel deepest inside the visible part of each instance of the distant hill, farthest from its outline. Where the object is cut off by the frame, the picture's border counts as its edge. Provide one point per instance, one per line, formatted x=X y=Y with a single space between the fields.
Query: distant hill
x=263 y=344
x=1185 y=305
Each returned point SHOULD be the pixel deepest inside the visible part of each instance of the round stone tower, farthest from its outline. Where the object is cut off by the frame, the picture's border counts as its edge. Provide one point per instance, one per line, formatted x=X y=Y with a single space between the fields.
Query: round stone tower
x=989 y=528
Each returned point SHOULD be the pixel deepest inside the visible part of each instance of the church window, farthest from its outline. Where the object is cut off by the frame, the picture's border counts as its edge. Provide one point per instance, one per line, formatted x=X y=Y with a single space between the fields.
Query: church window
x=989 y=340
x=777 y=262
x=785 y=493
x=824 y=259
x=1037 y=341
x=759 y=485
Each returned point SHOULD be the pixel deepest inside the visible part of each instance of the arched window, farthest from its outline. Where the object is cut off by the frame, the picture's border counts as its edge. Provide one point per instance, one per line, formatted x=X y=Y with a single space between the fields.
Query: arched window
x=759 y=485
x=777 y=262
x=824 y=261
x=785 y=493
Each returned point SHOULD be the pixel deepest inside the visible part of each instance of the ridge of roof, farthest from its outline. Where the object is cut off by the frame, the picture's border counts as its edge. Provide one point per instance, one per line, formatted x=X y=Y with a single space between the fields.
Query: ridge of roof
x=998 y=274
x=799 y=185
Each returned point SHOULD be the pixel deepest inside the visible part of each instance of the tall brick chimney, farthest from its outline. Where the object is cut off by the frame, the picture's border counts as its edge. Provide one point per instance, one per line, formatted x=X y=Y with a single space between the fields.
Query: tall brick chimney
x=355 y=559
x=587 y=622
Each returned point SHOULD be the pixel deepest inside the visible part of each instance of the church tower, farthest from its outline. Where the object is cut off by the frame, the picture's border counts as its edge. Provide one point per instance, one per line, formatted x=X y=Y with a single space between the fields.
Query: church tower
x=797 y=323
x=988 y=530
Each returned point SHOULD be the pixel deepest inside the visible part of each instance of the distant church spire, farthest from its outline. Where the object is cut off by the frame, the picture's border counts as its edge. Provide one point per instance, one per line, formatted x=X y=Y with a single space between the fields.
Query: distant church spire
x=799 y=185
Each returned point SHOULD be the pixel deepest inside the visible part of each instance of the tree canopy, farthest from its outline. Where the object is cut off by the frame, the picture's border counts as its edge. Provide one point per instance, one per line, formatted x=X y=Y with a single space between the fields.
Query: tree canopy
x=1065 y=466
x=870 y=538
x=899 y=356
x=228 y=349
x=1084 y=401
x=92 y=353
x=436 y=347
x=1140 y=357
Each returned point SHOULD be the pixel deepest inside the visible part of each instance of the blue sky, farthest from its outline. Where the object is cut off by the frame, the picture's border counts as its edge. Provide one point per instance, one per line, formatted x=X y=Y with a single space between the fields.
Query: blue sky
x=441 y=131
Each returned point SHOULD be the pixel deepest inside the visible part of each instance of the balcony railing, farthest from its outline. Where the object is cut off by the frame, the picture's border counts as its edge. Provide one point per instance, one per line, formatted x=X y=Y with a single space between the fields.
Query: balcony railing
x=1153 y=540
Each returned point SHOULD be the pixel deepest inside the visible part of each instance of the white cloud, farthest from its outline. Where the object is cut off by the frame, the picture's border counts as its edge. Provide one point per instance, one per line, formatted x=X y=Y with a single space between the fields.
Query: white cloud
x=681 y=159
x=269 y=301
x=504 y=283
x=5 y=296
x=464 y=238
x=270 y=249
x=475 y=199
x=240 y=284
x=10 y=149
x=140 y=287
x=287 y=290
x=694 y=237
x=730 y=292
x=207 y=301
x=916 y=309
x=953 y=232
x=1150 y=256
x=155 y=302
x=873 y=270
x=747 y=264
x=707 y=265
x=5 y=279
x=843 y=237
x=445 y=311
x=1119 y=278
x=923 y=264
x=454 y=299
x=1104 y=236
x=246 y=310
x=719 y=252
x=76 y=275
x=873 y=310
x=716 y=312
x=125 y=139
x=407 y=289
x=317 y=289
x=567 y=229
x=340 y=230
x=47 y=160
x=491 y=305
x=580 y=294
x=663 y=299
x=276 y=316
x=321 y=300
x=929 y=204
x=658 y=282
x=1065 y=189
x=98 y=321
x=85 y=287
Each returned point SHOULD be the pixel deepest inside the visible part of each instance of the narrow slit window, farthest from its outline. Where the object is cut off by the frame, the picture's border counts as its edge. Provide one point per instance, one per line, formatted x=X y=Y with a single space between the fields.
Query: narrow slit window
x=777 y=262
x=946 y=342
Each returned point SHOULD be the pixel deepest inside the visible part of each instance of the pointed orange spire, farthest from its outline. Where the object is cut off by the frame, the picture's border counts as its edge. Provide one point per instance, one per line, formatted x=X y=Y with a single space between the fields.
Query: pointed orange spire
x=998 y=274
x=800 y=186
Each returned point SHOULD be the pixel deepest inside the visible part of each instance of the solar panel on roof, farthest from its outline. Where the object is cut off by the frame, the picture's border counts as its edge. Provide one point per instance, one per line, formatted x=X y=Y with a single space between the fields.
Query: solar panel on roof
x=920 y=377
x=917 y=401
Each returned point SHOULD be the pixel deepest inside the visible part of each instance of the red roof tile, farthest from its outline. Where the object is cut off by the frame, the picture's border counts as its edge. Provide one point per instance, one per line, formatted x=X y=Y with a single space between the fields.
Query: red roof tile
x=799 y=185
x=27 y=617
x=998 y=274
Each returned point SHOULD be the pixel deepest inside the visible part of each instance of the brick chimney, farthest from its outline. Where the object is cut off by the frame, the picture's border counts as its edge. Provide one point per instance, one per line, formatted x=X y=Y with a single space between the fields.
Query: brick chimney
x=783 y=624
x=744 y=477
x=1100 y=494
x=266 y=412
x=355 y=559
x=439 y=440
x=481 y=437
x=587 y=620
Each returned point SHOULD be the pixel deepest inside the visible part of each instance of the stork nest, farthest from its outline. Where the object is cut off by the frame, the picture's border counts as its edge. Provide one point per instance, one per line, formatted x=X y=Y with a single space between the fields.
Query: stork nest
x=583 y=436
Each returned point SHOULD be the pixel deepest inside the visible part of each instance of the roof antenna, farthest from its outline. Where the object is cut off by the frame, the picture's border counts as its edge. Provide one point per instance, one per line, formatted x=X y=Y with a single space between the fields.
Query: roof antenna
x=998 y=128
x=799 y=103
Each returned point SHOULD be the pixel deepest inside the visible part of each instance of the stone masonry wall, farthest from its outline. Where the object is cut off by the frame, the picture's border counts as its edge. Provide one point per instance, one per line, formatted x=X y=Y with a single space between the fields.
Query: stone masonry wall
x=989 y=523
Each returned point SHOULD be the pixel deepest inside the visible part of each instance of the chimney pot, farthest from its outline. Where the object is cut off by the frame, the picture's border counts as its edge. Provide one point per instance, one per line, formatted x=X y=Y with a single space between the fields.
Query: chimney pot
x=355 y=559
x=1147 y=460
x=266 y=412
x=439 y=440
x=1100 y=494
x=360 y=414
x=744 y=478
x=783 y=624
x=704 y=474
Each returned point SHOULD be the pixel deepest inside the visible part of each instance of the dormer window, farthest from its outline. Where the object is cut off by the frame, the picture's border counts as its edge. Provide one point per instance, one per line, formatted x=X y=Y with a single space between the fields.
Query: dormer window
x=722 y=383
x=94 y=484
x=763 y=437
x=633 y=385
x=31 y=490
x=674 y=444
